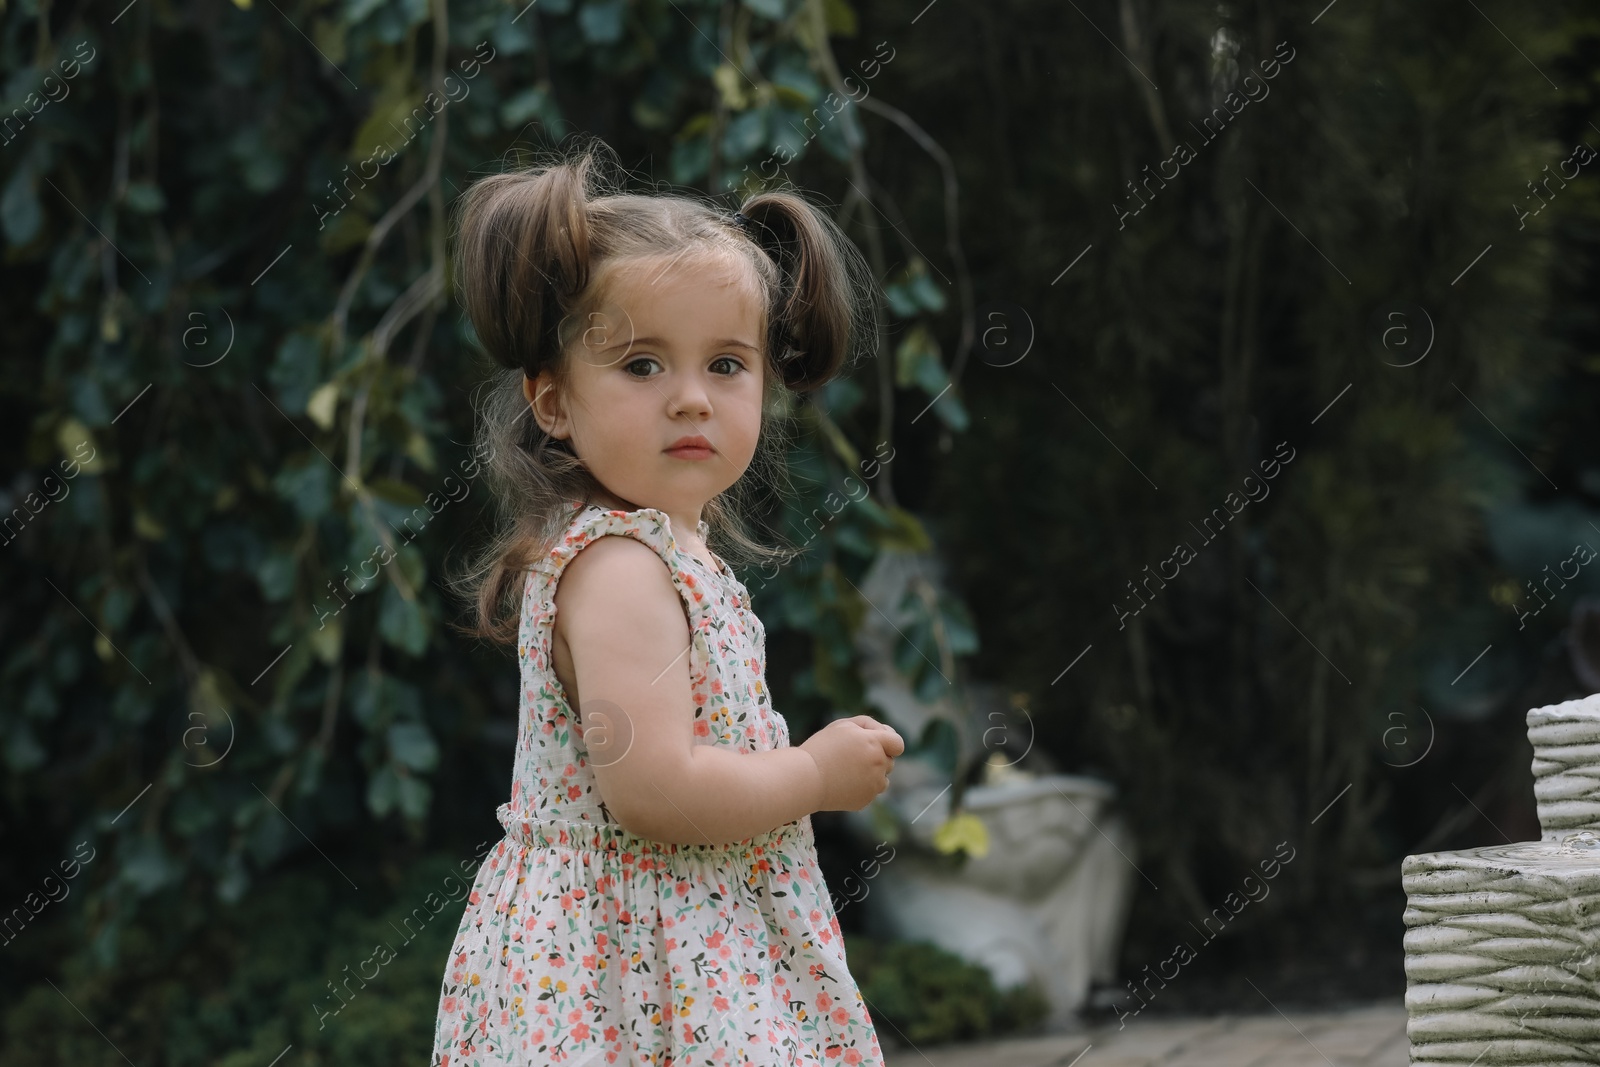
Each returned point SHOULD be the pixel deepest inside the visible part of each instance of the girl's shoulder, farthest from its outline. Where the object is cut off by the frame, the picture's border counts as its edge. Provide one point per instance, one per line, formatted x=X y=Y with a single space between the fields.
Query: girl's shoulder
x=590 y=522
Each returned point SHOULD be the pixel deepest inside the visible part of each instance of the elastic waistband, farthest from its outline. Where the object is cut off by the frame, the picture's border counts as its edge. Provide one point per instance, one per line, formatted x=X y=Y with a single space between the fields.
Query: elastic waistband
x=613 y=838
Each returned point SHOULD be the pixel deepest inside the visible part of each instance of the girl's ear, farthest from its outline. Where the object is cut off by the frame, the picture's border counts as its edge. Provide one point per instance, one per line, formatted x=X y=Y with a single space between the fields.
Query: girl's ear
x=547 y=411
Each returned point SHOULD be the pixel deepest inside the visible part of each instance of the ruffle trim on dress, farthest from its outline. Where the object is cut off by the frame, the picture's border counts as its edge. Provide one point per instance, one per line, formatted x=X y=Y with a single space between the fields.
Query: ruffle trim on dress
x=661 y=536
x=611 y=837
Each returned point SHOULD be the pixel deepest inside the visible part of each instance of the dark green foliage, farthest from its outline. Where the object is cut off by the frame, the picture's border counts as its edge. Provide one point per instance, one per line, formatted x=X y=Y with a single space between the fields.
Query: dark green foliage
x=235 y=391
x=919 y=994
x=204 y=985
x=1238 y=694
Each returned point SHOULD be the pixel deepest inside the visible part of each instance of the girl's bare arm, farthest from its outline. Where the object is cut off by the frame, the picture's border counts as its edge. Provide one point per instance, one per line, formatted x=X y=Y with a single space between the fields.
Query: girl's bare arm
x=624 y=625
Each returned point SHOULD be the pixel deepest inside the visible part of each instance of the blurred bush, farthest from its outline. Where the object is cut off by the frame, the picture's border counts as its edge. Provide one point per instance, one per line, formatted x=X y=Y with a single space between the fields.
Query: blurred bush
x=919 y=994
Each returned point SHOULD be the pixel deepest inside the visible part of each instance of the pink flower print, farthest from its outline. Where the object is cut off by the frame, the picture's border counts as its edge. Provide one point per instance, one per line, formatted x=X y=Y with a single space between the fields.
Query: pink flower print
x=474 y=898
x=815 y=916
x=672 y=943
x=449 y=1006
x=528 y=885
x=841 y=1016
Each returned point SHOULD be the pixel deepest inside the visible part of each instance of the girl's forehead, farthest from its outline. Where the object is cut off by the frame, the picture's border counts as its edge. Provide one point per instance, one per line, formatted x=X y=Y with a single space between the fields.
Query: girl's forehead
x=709 y=276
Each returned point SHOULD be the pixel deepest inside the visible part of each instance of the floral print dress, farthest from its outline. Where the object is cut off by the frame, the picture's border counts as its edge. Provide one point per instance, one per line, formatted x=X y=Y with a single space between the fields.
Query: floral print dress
x=585 y=944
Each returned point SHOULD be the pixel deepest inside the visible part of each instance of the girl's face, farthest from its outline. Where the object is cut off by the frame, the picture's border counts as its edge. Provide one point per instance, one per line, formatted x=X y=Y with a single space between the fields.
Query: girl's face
x=674 y=353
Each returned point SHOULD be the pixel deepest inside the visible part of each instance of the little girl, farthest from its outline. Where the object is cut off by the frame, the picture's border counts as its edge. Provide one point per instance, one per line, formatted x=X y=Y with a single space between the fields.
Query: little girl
x=656 y=899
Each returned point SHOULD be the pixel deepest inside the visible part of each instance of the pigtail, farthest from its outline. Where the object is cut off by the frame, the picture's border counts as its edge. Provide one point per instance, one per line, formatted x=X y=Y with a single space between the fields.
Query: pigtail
x=524 y=242
x=823 y=311
x=523 y=259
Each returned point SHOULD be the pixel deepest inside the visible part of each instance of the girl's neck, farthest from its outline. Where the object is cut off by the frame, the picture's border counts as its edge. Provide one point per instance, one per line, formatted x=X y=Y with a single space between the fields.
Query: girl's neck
x=690 y=532
x=611 y=501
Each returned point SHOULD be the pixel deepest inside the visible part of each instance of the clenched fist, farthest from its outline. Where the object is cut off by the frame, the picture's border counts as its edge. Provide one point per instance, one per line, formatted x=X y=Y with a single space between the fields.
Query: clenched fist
x=854 y=757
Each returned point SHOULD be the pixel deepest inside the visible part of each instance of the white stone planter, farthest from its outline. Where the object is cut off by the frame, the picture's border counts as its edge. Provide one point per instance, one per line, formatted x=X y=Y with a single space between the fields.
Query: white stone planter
x=1046 y=906
x=1048 y=903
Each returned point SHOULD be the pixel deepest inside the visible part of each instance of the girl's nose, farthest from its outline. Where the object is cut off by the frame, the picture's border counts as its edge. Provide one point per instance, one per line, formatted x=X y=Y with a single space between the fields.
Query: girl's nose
x=690 y=398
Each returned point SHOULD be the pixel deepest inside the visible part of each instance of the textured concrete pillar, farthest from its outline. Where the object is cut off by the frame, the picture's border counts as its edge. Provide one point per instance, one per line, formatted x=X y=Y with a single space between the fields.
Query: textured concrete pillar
x=1503 y=943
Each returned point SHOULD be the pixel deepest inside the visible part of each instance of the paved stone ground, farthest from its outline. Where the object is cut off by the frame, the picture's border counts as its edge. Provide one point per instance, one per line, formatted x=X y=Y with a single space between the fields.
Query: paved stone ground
x=1373 y=1035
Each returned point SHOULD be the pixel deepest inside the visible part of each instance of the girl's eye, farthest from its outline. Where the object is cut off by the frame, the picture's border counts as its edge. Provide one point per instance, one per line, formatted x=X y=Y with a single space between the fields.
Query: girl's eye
x=734 y=365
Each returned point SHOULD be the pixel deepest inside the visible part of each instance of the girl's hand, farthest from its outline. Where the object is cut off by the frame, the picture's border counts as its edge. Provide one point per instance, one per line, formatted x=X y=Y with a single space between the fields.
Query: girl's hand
x=854 y=757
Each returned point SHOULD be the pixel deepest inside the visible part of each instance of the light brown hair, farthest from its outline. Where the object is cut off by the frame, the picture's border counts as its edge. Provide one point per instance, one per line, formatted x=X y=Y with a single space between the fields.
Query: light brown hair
x=535 y=248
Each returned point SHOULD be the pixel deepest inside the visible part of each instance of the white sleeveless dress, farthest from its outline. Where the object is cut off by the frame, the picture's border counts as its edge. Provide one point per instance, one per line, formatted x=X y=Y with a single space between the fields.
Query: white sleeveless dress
x=583 y=943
